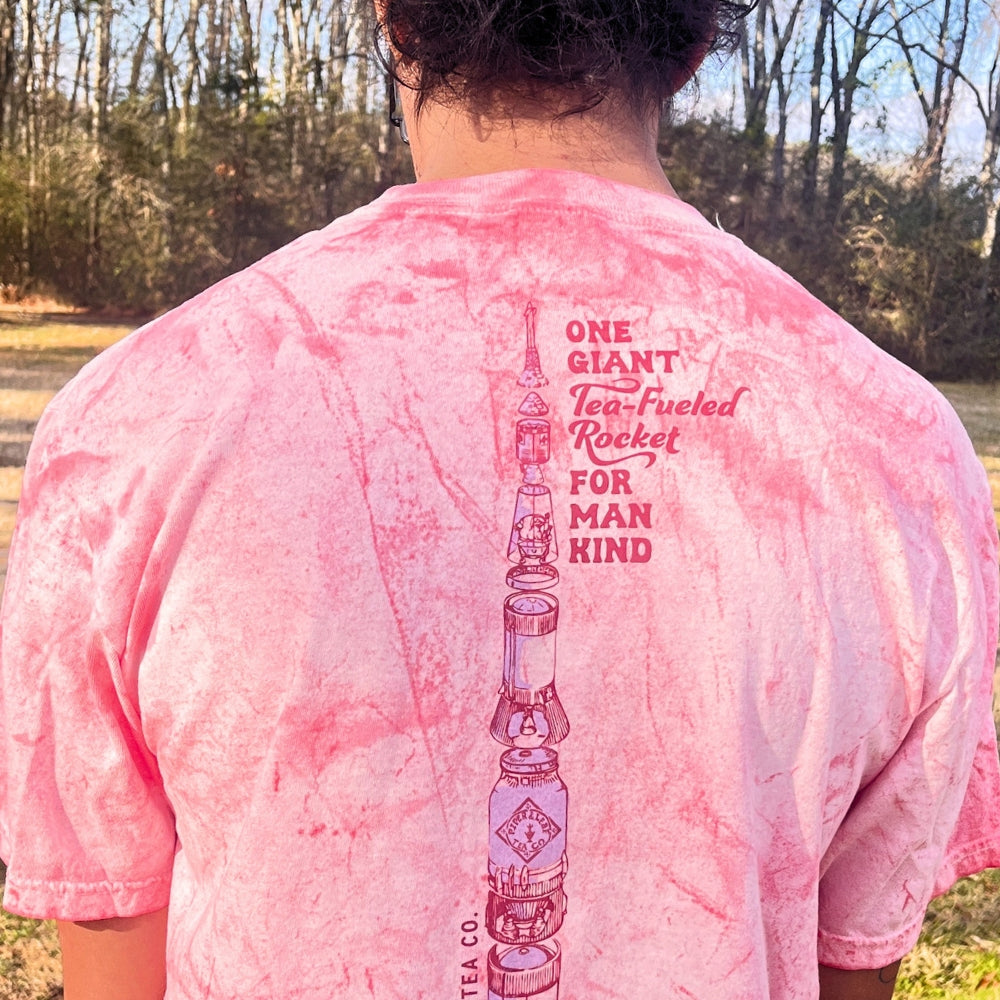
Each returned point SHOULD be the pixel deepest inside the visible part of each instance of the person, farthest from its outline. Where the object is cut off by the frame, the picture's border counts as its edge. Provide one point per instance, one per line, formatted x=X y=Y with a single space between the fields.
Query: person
x=529 y=426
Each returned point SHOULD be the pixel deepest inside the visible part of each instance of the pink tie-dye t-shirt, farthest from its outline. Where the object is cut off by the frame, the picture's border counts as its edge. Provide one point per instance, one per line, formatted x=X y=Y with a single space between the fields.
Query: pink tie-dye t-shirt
x=517 y=588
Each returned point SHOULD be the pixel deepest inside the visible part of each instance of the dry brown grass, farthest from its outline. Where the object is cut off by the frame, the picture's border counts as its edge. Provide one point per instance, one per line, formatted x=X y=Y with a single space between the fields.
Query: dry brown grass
x=30 y=967
x=23 y=404
x=979 y=408
x=60 y=335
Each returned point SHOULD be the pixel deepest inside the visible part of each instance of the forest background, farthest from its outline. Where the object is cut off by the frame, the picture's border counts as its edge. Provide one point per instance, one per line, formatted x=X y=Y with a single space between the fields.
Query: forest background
x=149 y=149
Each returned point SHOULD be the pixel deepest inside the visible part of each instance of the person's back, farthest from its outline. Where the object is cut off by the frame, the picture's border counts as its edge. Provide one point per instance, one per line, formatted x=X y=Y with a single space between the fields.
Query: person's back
x=528 y=591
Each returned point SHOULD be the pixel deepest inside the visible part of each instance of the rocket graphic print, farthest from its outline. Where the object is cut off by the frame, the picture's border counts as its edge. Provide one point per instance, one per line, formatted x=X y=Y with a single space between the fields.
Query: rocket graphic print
x=528 y=805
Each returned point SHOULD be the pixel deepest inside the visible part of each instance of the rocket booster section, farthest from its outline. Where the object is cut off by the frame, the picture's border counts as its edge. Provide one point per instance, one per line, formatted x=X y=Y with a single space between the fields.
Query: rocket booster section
x=528 y=806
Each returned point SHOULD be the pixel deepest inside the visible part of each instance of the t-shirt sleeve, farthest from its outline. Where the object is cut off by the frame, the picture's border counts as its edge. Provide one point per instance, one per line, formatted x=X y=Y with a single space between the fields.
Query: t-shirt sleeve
x=930 y=814
x=85 y=826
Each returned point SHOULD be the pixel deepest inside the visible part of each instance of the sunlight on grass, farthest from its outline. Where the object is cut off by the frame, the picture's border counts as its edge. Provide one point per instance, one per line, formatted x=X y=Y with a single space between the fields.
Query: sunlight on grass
x=958 y=954
x=10 y=483
x=992 y=464
x=30 y=966
x=8 y=514
x=932 y=972
x=23 y=404
x=979 y=408
x=61 y=335
x=10 y=491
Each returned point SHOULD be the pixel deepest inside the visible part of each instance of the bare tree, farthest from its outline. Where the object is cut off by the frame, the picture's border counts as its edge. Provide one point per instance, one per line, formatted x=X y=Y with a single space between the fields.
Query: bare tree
x=339 y=49
x=783 y=36
x=99 y=132
x=29 y=133
x=8 y=66
x=824 y=26
x=161 y=87
x=50 y=50
x=985 y=91
x=761 y=62
x=762 y=71
x=101 y=93
x=81 y=77
x=988 y=102
x=932 y=38
x=250 y=55
x=854 y=28
x=192 y=74
x=297 y=110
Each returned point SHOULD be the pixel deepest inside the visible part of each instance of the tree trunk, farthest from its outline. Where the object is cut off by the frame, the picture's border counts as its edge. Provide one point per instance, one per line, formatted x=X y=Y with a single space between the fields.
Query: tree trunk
x=100 y=102
x=29 y=147
x=843 y=91
x=250 y=54
x=161 y=94
x=988 y=179
x=139 y=60
x=8 y=69
x=295 y=110
x=50 y=77
x=811 y=160
x=192 y=76
x=842 y=98
x=937 y=99
x=778 y=156
x=101 y=96
x=762 y=68
x=337 y=64
x=755 y=76
x=81 y=78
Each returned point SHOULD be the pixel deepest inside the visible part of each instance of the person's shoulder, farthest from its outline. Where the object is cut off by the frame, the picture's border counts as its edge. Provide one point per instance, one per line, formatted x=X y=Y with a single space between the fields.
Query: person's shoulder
x=204 y=347
x=168 y=364
x=836 y=364
x=861 y=403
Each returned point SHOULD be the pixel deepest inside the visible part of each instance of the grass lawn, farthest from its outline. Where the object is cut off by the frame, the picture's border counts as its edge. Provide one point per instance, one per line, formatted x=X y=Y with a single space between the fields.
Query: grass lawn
x=979 y=408
x=66 y=333
x=958 y=955
x=30 y=968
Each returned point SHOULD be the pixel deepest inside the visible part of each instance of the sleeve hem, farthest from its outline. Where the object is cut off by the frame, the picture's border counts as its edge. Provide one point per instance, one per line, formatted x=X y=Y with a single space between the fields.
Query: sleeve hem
x=970 y=859
x=840 y=952
x=53 y=900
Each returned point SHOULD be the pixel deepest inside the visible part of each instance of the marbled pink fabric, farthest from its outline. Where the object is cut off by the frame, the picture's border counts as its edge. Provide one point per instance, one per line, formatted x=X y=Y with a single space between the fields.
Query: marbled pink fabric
x=252 y=631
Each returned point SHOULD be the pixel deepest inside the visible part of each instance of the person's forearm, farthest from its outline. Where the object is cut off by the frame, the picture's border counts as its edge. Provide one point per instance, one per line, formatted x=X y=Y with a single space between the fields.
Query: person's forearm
x=856 y=984
x=119 y=959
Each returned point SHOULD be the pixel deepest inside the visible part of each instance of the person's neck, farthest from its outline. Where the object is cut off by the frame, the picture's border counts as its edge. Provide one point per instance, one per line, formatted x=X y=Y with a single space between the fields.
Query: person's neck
x=447 y=142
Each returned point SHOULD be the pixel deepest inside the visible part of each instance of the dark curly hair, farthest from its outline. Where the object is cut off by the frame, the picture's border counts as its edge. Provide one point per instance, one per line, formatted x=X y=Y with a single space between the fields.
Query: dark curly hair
x=480 y=51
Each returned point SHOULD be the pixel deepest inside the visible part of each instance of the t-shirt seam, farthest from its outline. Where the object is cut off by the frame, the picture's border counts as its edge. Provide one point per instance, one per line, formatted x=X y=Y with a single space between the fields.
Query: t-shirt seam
x=465 y=209
x=18 y=882
x=954 y=857
x=857 y=941
x=438 y=207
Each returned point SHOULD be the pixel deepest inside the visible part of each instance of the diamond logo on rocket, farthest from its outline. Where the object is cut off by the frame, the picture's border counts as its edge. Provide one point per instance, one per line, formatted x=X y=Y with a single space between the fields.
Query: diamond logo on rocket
x=528 y=830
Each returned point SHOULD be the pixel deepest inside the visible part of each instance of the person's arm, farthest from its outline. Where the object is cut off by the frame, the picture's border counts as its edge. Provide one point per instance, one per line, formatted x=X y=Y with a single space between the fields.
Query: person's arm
x=119 y=959
x=856 y=984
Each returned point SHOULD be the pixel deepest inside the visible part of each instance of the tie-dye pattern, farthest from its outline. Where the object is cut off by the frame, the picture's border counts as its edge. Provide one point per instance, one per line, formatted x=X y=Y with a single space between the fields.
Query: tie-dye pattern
x=252 y=633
